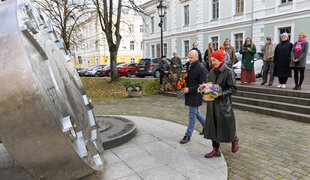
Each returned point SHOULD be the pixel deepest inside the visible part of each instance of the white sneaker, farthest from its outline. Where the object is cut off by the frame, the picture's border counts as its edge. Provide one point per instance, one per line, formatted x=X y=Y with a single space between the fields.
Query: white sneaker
x=279 y=85
x=283 y=86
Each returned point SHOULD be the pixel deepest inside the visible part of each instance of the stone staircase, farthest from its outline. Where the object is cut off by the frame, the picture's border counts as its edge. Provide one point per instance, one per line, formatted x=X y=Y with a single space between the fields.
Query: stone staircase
x=283 y=103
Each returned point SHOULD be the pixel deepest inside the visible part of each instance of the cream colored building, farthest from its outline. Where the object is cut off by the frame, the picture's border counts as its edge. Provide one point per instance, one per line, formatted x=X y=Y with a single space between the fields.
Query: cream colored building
x=92 y=47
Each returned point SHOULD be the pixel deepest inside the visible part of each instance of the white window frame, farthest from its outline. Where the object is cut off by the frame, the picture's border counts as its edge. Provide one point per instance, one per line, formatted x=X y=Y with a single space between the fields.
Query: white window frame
x=183 y=47
x=165 y=52
x=132 y=60
x=276 y=34
x=215 y=35
x=232 y=39
x=132 y=46
x=151 y=55
x=219 y=7
x=183 y=14
x=236 y=13
x=287 y=1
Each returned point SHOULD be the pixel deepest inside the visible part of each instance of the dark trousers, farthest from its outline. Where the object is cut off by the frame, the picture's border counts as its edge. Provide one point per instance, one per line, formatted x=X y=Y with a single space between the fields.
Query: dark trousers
x=283 y=80
x=297 y=71
x=268 y=67
x=162 y=76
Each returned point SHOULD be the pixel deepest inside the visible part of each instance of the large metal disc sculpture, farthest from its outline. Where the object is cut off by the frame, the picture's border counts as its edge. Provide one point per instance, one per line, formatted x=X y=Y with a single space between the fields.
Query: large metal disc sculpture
x=46 y=119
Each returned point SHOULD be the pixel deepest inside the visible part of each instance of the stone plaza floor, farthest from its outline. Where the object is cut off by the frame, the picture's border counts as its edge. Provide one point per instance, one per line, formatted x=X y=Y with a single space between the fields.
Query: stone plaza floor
x=270 y=147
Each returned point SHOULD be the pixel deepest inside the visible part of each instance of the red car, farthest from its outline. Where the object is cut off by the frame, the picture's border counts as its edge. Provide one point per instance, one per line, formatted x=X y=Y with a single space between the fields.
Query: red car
x=126 y=69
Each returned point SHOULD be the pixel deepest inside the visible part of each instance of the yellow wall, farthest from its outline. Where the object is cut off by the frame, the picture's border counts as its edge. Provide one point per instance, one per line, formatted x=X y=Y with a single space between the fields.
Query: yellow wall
x=103 y=60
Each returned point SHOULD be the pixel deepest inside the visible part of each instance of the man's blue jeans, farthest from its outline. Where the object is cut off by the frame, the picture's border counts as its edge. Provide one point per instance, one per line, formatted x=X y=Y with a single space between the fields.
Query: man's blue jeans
x=193 y=114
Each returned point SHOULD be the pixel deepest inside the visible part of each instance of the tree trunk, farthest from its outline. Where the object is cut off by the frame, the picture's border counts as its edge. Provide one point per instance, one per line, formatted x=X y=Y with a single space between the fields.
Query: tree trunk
x=113 y=56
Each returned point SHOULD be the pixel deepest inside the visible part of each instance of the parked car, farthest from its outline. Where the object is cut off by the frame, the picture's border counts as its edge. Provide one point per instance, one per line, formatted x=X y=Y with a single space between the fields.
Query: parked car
x=127 y=69
x=83 y=71
x=149 y=67
x=105 y=71
x=258 y=65
x=92 y=71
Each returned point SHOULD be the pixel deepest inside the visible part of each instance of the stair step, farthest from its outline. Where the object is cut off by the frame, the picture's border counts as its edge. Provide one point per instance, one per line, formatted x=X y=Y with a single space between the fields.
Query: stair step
x=274 y=112
x=282 y=92
x=278 y=98
x=272 y=104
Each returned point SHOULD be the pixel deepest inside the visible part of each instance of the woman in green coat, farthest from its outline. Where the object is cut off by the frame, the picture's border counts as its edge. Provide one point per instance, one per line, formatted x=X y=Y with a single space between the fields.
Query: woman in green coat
x=248 y=51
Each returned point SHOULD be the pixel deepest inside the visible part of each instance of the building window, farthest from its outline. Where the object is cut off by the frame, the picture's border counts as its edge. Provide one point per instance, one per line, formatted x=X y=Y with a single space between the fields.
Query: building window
x=238 y=41
x=239 y=6
x=186 y=47
x=215 y=41
x=283 y=30
x=152 y=25
x=165 y=47
x=132 y=60
x=152 y=51
x=132 y=45
x=215 y=9
x=165 y=23
x=142 y=45
x=141 y=28
x=186 y=15
x=131 y=28
x=97 y=61
x=286 y=1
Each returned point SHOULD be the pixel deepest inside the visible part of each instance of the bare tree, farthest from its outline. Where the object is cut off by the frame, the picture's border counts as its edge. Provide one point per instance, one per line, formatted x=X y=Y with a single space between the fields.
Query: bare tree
x=65 y=16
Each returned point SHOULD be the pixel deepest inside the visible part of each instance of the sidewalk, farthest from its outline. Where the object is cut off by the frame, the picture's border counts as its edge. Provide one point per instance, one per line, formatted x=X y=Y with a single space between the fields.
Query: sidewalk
x=156 y=154
x=289 y=85
x=270 y=147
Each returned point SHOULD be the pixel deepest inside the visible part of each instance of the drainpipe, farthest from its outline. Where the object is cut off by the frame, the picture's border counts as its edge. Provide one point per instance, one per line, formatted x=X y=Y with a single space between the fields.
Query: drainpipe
x=252 y=20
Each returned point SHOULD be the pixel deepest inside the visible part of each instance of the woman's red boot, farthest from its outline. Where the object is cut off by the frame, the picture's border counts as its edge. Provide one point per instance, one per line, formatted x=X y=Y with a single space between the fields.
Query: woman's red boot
x=215 y=153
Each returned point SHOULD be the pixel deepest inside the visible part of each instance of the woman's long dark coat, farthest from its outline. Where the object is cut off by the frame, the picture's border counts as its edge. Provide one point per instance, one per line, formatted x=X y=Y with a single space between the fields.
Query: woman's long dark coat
x=282 y=59
x=220 y=121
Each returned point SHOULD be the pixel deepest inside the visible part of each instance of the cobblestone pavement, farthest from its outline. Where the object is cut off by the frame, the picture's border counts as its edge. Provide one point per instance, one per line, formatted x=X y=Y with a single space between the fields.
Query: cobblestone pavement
x=270 y=147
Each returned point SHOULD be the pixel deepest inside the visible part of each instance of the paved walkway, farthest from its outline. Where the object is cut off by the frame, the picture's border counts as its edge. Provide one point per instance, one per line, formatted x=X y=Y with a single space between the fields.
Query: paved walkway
x=270 y=147
x=156 y=154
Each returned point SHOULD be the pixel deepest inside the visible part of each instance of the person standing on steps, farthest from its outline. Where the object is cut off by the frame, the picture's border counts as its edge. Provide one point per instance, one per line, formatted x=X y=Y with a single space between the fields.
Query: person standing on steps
x=248 y=50
x=176 y=64
x=282 y=59
x=299 y=59
x=196 y=75
x=268 y=50
x=220 y=120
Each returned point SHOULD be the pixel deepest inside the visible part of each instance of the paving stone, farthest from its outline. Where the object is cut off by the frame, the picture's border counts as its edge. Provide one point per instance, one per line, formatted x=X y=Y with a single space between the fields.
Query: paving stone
x=271 y=141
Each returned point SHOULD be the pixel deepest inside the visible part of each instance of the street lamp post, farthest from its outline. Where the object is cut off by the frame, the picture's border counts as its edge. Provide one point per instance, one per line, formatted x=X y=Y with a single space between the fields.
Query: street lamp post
x=161 y=12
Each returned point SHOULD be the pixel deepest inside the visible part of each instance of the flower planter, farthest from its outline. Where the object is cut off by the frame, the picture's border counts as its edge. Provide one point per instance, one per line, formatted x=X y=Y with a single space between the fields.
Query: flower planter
x=180 y=95
x=134 y=93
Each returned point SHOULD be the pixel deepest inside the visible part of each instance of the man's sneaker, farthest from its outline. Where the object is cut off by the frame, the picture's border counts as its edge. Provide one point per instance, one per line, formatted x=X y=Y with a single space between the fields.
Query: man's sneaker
x=279 y=85
x=185 y=140
x=283 y=86
x=262 y=83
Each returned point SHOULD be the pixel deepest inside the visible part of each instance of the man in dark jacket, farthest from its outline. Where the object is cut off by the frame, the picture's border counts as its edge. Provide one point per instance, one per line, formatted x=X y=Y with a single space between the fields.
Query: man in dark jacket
x=196 y=75
x=176 y=64
x=164 y=69
x=198 y=51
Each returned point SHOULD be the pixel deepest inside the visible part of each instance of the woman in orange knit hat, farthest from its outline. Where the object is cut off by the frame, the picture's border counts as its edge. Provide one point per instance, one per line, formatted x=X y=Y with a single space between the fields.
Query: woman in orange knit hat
x=220 y=123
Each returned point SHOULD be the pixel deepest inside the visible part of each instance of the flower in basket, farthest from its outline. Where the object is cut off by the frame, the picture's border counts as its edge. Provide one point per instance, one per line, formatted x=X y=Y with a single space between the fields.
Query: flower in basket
x=133 y=86
x=210 y=91
x=175 y=82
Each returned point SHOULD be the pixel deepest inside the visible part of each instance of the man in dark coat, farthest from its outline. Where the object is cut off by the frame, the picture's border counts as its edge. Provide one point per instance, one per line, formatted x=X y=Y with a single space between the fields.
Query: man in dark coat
x=196 y=75
x=198 y=51
x=164 y=69
x=220 y=121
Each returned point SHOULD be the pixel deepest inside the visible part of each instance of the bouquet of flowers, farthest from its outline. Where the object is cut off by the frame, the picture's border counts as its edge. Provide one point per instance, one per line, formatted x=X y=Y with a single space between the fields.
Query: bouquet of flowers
x=175 y=83
x=210 y=91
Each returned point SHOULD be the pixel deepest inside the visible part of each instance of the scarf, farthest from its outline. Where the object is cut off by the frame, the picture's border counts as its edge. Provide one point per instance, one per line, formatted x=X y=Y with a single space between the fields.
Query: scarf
x=298 y=45
x=216 y=69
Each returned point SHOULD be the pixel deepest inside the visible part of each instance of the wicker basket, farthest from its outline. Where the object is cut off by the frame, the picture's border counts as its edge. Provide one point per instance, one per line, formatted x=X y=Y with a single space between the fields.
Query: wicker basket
x=208 y=97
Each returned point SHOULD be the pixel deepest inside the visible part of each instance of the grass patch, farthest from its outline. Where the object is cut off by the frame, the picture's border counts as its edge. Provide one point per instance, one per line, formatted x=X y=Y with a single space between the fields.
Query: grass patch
x=101 y=89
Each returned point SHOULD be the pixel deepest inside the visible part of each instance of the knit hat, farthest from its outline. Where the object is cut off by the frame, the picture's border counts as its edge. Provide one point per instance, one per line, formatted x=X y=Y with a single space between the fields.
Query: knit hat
x=269 y=38
x=284 y=34
x=222 y=47
x=219 y=55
